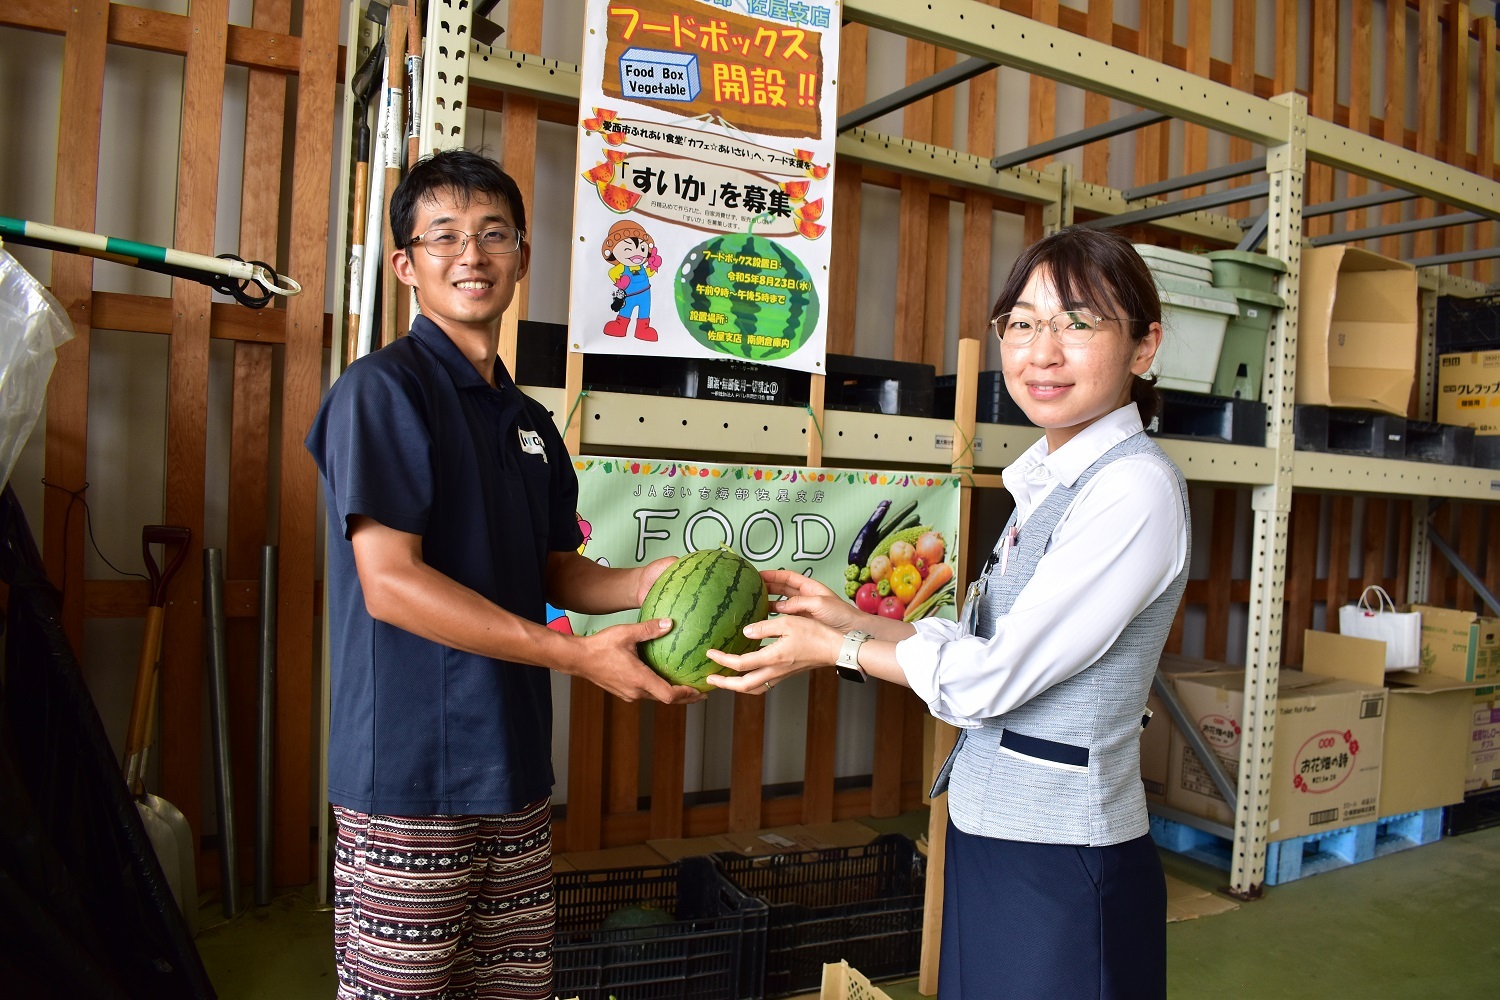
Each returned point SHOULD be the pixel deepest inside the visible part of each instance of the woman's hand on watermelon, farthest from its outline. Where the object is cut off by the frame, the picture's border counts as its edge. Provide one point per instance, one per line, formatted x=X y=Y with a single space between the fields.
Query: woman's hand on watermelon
x=807 y=597
x=610 y=661
x=801 y=644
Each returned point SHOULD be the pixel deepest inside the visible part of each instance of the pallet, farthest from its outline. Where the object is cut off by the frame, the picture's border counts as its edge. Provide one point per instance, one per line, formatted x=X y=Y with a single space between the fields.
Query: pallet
x=1299 y=857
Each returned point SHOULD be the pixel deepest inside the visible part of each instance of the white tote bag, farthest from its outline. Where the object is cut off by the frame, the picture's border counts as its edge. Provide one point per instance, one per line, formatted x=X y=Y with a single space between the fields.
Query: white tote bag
x=1401 y=631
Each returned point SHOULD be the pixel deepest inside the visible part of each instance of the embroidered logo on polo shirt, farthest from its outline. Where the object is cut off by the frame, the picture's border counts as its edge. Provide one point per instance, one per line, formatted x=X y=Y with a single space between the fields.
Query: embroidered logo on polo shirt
x=531 y=443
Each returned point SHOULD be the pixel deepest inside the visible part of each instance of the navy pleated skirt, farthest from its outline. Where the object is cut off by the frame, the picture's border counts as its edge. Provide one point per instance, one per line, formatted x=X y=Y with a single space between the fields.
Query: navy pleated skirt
x=1052 y=921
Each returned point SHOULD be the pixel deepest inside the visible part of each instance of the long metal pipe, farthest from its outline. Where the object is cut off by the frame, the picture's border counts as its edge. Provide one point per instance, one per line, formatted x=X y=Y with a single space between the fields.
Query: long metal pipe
x=1168 y=209
x=1194 y=736
x=1398 y=228
x=914 y=92
x=218 y=715
x=1208 y=176
x=265 y=724
x=1128 y=123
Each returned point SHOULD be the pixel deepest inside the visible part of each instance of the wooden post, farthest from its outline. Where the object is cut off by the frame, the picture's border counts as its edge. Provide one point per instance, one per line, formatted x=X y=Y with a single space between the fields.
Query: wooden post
x=392 y=289
x=1484 y=160
x=1101 y=28
x=302 y=389
x=1321 y=98
x=944 y=735
x=1455 y=102
x=1242 y=78
x=1041 y=122
x=181 y=739
x=1359 y=96
x=1199 y=61
x=1429 y=112
x=1394 y=127
x=1151 y=142
x=74 y=206
x=523 y=29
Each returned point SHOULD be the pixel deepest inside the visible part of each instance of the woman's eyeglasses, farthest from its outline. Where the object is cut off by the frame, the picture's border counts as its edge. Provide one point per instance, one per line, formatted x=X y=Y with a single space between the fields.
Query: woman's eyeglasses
x=1072 y=328
x=451 y=242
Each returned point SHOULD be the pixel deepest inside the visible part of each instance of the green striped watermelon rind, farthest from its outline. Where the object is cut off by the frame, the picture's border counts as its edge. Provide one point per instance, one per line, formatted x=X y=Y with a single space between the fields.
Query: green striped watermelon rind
x=747 y=328
x=679 y=593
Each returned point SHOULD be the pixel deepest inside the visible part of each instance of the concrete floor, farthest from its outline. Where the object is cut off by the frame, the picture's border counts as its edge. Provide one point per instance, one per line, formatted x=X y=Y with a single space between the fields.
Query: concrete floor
x=1421 y=924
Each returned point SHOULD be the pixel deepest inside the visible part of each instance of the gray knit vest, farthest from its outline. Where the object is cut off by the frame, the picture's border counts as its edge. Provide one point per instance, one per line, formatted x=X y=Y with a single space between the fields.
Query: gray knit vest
x=1065 y=767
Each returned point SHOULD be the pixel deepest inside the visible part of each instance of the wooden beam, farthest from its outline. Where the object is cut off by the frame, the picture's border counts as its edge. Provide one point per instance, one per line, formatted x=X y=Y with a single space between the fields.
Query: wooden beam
x=1199 y=61
x=1220 y=570
x=392 y=290
x=74 y=205
x=1323 y=47
x=1429 y=113
x=518 y=154
x=1041 y=122
x=1284 y=74
x=1360 y=31
x=821 y=746
x=1151 y=142
x=746 y=766
x=1340 y=528
x=1486 y=234
x=157 y=31
x=935 y=312
x=586 y=716
x=623 y=759
x=181 y=740
x=1242 y=78
x=297 y=687
x=1455 y=102
x=1099 y=26
x=843 y=265
x=250 y=414
x=668 y=759
x=1394 y=127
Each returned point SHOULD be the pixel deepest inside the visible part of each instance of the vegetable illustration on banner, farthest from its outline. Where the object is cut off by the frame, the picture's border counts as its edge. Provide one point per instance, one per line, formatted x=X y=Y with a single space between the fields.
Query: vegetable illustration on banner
x=704 y=186
x=885 y=541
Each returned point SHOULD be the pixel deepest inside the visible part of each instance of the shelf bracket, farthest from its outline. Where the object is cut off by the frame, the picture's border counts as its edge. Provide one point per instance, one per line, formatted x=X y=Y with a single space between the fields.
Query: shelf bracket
x=1456 y=561
x=1194 y=736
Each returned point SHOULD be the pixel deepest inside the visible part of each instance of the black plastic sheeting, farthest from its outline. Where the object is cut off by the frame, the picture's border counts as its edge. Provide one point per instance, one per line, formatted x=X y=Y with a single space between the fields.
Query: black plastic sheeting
x=85 y=911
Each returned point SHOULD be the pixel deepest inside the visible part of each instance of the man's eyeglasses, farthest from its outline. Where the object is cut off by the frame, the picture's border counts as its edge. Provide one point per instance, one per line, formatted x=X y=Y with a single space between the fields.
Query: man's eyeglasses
x=452 y=242
x=1072 y=328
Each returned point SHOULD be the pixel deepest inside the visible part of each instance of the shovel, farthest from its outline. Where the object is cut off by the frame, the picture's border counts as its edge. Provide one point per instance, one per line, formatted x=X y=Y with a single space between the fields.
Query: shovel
x=168 y=829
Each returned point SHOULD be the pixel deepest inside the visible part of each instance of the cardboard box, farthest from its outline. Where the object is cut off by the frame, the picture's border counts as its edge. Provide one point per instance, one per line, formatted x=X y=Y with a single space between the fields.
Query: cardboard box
x=1484 y=745
x=1325 y=766
x=1460 y=644
x=633 y=856
x=762 y=843
x=1425 y=752
x=1156 y=738
x=1469 y=391
x=1357 y=332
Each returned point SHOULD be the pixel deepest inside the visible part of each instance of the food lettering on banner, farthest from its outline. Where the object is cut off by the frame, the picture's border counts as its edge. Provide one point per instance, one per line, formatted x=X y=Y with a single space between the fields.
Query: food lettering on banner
x=705 y=146
x=885 y=541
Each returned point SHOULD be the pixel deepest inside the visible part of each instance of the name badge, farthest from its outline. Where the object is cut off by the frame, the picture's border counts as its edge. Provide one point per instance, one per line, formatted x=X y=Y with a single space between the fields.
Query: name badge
x=531 y=443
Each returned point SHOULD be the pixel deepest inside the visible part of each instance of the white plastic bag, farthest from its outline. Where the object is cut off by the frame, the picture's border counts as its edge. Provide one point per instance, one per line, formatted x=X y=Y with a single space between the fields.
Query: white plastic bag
x=32 y=327
x=1401 y=631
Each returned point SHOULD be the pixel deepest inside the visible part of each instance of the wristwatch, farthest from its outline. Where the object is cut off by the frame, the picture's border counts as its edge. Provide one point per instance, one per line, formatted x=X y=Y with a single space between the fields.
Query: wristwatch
x=847 y=664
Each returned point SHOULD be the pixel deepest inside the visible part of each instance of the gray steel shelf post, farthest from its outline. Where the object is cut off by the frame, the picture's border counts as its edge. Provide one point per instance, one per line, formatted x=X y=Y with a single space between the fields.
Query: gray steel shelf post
x=1420 y=560
x=1271 y=505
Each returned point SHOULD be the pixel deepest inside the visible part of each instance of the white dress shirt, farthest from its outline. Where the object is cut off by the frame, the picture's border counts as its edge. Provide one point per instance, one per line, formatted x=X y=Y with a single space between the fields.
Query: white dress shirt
x=1117 y=547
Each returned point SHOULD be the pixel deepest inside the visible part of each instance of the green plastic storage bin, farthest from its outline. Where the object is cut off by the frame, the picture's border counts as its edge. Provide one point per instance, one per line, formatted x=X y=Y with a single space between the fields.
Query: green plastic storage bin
x=1236 y=269
x=1245 y=341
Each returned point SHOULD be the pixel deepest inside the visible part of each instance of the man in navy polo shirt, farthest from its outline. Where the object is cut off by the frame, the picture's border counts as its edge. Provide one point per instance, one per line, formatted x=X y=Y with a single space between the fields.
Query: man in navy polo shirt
x=452 y=523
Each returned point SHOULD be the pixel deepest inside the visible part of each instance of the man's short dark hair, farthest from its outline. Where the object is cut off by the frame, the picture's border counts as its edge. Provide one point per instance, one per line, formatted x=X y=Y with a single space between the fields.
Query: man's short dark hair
x=461 y=171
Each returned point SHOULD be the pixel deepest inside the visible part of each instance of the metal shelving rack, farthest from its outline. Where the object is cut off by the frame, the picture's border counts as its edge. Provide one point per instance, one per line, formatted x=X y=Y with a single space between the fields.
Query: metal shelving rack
x=1290 y=137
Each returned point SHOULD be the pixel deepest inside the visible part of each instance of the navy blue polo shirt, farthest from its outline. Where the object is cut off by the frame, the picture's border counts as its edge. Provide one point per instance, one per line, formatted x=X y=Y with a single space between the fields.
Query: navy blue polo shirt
x=412 y=437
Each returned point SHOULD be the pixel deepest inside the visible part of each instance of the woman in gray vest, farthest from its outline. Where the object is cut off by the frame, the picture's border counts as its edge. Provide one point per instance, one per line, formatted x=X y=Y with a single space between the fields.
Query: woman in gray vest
x=1052 y=887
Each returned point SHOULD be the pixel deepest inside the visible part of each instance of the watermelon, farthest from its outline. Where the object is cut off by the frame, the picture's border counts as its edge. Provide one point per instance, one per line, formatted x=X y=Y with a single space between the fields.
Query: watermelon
x=746 y=296
x=635 y=915
x=710 y=595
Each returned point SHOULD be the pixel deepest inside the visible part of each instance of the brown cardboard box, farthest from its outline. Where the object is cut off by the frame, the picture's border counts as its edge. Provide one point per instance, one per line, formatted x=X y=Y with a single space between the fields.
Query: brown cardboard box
x=1325 y=763
x=1469 y=391
x=1460 y=644
x=1156 y=738
x=1357 y=333
x=1425 y=755
x=760 y=843
x=1484 y=745
x=633 y=856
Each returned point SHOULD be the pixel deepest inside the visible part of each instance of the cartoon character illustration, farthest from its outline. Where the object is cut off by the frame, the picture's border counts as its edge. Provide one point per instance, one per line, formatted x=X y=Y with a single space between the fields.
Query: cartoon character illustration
x=557 y=619
x=633 y=260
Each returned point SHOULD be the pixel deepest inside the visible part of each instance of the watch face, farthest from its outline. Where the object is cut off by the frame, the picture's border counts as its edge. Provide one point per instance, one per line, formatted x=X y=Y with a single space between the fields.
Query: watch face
x=850 y=673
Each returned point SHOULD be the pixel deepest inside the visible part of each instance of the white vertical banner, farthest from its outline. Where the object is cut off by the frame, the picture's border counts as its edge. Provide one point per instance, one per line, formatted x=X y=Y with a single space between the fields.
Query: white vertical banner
x=703 y=200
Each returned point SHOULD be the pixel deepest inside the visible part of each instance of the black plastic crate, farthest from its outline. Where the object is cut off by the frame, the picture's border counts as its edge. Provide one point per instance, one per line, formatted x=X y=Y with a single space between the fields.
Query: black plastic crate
x=1310 y=427
x=1194 y=415
x=992 y=404
x=1478 y=811
x=1366 y=432
x=715 y=950
x=1465 y=325
x=872 y=385
x=1487 y=451
x=1427 y=441
x=861 y=904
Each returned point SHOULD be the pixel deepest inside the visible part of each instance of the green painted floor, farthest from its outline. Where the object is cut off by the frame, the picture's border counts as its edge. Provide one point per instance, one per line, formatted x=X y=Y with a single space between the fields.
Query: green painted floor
x=1421 y=924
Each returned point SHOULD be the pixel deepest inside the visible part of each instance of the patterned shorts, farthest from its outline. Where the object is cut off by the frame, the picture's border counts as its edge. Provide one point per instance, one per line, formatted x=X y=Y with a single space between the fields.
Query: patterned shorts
x=444 y=907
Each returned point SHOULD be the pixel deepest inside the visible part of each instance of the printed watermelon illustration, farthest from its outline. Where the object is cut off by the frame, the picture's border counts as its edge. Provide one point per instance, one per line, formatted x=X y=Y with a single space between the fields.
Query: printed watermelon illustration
x=747 y=297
